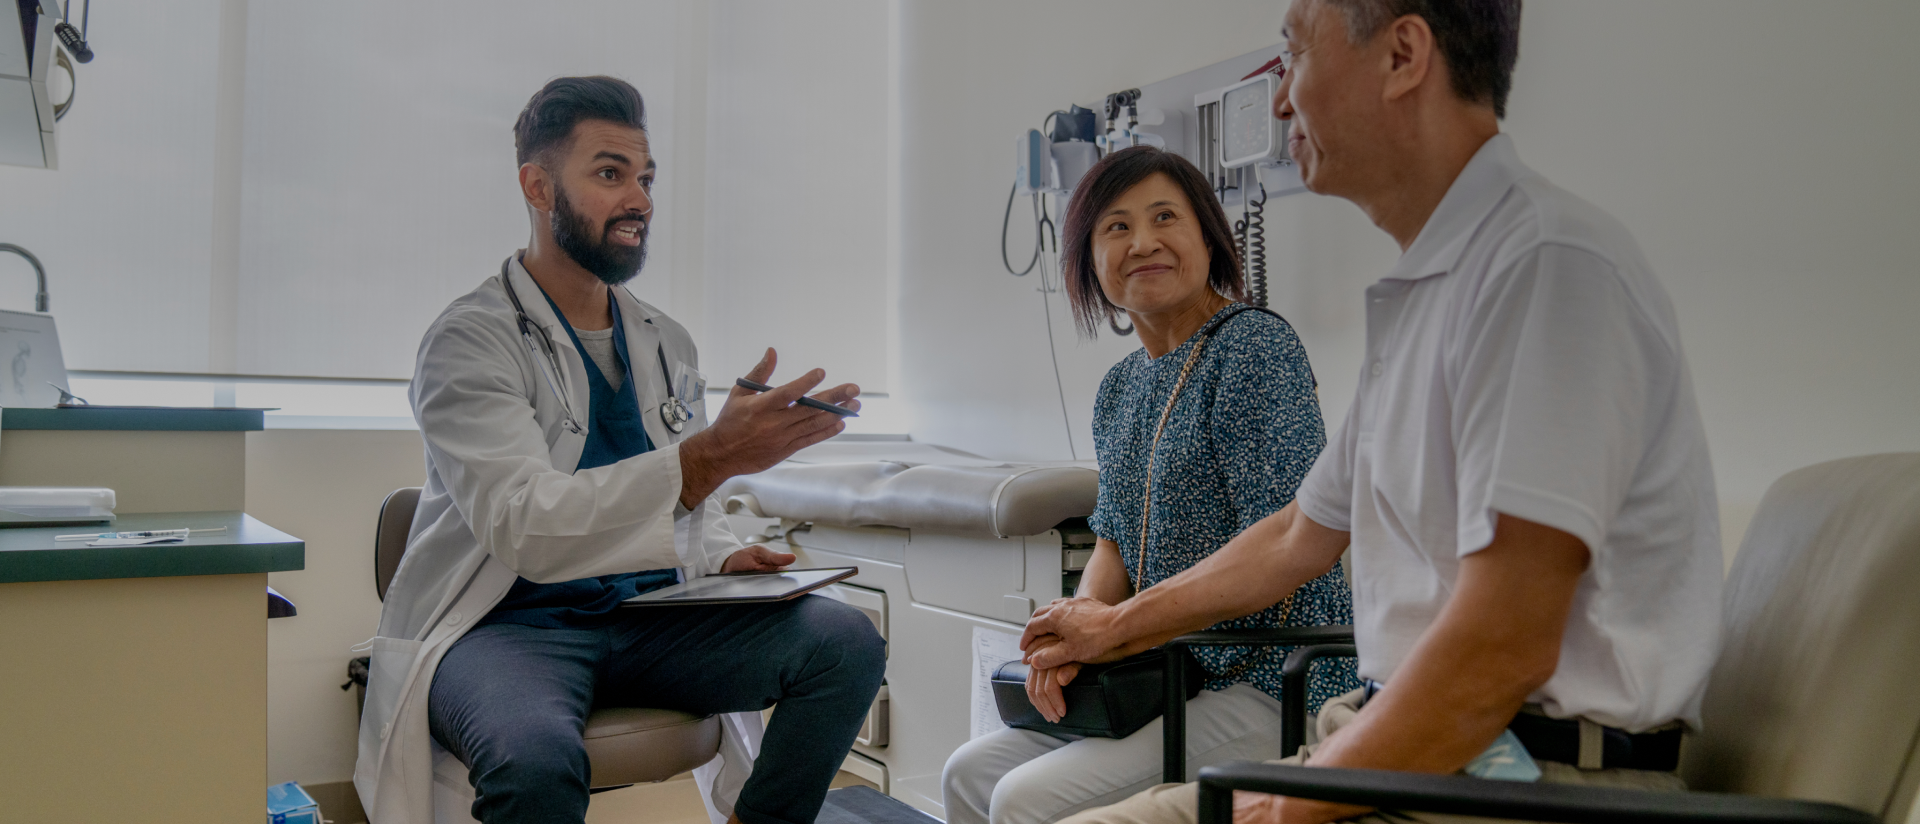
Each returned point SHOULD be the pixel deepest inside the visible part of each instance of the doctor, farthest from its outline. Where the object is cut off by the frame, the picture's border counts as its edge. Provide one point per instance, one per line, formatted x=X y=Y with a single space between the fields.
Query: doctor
x=569 y=467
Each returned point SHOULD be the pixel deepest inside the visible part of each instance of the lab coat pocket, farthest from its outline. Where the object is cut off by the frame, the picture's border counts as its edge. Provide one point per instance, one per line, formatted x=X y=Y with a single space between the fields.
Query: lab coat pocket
x=393 y=662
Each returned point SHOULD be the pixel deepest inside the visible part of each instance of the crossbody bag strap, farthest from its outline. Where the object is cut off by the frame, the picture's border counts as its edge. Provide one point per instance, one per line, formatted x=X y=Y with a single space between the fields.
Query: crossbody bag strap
x=1146 y=506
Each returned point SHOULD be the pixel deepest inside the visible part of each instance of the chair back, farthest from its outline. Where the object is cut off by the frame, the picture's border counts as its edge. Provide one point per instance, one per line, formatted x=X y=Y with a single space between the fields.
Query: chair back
x=390 y=535
x=1816 y=694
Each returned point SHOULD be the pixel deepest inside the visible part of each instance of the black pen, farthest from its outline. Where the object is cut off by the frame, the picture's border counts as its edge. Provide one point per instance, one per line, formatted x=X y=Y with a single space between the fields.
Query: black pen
x=823 y=406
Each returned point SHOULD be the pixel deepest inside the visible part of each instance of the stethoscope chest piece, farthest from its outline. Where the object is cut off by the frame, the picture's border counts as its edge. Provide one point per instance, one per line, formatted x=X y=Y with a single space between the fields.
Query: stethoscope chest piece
x=675 y=414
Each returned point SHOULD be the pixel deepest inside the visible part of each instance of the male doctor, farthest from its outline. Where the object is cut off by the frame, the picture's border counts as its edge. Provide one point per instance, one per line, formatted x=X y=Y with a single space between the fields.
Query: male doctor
x=569 y=467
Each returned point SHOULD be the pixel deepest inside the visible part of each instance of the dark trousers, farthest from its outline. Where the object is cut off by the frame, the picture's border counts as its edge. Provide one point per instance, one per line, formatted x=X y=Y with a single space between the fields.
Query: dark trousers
x=510 y=701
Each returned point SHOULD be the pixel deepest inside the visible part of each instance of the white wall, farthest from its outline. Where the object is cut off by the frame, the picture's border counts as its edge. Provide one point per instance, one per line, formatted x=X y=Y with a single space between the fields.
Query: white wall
x=1756 y=149
x=797 y=182
x=124 y=225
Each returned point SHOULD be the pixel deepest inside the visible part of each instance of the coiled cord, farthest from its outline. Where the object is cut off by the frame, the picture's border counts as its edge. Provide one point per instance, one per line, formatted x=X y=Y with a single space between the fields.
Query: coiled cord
x=1254 y=242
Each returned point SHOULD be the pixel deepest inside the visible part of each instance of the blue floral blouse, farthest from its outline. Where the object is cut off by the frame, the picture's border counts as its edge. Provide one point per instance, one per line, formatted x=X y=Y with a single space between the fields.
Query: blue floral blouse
x=1241 y=437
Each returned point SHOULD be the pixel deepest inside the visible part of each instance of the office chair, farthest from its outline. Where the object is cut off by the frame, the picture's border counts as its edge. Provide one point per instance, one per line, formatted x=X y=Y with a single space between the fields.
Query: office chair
x=1812 y=713
x=625 y=745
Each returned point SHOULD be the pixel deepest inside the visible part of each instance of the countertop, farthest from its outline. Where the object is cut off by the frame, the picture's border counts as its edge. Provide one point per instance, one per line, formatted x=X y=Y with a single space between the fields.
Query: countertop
x=247 y=545
x=135 y=418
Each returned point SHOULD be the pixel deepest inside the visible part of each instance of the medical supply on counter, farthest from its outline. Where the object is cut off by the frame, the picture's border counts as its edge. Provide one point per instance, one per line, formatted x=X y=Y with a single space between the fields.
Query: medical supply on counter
x=810 y=403
x=158 y=539
x=149 y=533
x=55 y=505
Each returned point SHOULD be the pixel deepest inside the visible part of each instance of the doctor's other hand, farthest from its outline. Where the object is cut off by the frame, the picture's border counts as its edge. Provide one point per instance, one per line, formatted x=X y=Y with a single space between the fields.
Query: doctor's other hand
x=757 y=558
x=759 y=429
x=1069 y=630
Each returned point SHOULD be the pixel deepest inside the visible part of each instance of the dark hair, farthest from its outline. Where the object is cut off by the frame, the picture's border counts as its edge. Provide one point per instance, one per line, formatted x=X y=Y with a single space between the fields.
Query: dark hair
x=1105 y=183
x=546 y=124
x=1480 y=39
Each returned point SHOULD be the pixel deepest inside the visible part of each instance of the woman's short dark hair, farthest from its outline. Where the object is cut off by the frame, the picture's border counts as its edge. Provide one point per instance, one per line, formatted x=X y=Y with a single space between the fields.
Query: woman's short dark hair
x=546 y=124
x=1104 y=184
x=1479 y=39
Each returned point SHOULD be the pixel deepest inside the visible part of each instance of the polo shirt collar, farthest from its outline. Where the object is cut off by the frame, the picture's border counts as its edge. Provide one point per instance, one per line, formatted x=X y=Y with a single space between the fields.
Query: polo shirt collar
x=1487 y=178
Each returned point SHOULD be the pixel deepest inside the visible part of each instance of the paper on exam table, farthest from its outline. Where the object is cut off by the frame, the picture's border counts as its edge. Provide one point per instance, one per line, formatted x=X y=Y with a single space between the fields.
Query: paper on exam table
x=991 y=648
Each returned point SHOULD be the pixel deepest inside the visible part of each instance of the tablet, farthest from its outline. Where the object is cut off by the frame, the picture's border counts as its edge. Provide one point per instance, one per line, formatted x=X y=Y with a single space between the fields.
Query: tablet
x=742 y=588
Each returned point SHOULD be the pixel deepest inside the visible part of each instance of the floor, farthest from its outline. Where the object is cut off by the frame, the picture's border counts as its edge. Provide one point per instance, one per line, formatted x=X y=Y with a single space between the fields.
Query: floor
x=676 y=801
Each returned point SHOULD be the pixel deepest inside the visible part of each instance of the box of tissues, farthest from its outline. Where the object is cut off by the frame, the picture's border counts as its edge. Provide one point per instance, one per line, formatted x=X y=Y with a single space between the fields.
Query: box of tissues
x=288 y=804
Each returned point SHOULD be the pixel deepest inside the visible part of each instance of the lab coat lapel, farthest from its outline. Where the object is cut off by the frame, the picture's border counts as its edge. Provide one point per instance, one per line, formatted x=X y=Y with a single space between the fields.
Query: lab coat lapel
x=564 y=452
x=650 y=387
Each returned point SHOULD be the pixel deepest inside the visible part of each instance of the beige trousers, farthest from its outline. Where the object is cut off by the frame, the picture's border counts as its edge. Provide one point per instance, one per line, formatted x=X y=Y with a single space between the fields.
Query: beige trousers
x=1180 y=803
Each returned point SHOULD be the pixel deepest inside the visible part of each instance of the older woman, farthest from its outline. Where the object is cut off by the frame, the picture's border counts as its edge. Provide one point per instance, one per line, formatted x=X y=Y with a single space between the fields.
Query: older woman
x=1204 y=430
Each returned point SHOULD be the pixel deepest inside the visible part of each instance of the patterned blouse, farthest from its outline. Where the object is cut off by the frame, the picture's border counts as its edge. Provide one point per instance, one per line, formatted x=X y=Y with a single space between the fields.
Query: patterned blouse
x=1242 y=435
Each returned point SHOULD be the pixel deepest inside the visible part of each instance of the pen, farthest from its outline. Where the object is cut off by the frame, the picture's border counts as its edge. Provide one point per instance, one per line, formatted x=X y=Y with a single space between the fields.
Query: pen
x=149 y=533
x=810 y=403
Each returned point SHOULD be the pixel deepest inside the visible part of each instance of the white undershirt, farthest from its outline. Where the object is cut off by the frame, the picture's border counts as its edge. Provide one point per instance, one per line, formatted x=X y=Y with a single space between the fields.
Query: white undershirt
x=599 y=346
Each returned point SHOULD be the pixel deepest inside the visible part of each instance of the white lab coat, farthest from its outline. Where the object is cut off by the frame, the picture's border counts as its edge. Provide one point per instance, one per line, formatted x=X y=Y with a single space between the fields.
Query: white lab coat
x=501 y=499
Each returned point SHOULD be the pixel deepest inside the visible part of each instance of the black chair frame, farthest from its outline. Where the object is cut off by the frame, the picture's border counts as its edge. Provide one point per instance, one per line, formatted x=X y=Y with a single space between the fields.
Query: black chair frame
x=1310 y=643
x=1462 y=795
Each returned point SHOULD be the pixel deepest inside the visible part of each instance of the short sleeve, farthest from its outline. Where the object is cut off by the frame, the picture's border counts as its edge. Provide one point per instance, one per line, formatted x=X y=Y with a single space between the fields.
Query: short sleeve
x=1326 y=495
x=1265 y=418
x=1105 y=453
x=1552 y=386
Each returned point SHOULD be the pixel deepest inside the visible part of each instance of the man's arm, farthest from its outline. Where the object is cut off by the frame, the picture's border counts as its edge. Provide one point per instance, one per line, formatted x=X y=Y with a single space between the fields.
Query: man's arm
x=1253 y=571
x=1496 y=641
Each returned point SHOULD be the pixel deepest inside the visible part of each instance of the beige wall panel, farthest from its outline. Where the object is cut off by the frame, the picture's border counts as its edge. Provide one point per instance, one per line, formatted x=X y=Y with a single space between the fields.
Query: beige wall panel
x=147 y=471
x=133 y=699
x=324 y=486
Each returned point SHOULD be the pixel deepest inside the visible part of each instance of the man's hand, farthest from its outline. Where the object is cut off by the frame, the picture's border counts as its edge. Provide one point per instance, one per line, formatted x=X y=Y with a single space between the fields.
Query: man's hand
x=757 y=558
x=1069 y=630
x=757 y=430
x=1260 y=808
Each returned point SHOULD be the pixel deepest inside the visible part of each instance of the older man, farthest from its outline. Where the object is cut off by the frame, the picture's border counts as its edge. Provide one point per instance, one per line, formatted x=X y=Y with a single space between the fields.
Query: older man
x=1522 y=477
x=569 y=468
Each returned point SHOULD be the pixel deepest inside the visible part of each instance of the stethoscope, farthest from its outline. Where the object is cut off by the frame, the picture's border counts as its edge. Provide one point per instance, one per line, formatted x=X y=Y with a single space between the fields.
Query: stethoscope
x=674 y=413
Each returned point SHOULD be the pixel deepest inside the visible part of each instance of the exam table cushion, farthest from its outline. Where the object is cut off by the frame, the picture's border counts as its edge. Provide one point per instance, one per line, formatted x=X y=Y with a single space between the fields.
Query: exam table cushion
x=965 y=496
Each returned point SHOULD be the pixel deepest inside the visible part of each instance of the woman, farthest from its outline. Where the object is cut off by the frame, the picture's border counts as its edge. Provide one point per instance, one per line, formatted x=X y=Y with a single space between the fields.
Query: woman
x=1204 y=430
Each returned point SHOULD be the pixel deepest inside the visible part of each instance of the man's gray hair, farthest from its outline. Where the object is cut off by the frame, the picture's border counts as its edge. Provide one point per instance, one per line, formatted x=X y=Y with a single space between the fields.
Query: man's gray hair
x=1479 y=39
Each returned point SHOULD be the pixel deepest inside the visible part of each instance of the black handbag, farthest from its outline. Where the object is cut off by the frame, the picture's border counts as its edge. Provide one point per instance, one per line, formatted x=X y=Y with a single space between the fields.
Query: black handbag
x=1112 y=700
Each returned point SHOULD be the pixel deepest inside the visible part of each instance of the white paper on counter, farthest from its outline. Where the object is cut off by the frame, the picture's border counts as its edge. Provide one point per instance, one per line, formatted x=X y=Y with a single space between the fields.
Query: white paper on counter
x=991 y=648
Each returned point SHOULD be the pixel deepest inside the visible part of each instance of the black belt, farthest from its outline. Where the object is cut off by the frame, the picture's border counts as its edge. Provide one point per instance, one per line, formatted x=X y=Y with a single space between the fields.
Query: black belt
x=1557 y=739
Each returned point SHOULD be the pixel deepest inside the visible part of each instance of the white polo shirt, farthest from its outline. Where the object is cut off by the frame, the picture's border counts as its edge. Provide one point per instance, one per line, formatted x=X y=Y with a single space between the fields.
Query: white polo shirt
x=1522 y=358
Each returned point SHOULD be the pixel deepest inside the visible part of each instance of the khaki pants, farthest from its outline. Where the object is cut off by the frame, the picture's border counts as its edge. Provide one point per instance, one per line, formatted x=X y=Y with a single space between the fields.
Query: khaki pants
x=1180 y=803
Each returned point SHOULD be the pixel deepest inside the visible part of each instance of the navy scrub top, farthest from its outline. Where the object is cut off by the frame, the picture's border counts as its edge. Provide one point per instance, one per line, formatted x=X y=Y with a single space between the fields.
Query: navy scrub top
x=614 y=433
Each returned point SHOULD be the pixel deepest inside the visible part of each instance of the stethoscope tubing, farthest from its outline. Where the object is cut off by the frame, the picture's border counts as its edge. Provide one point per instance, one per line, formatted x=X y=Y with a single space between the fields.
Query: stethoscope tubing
x=674 y=414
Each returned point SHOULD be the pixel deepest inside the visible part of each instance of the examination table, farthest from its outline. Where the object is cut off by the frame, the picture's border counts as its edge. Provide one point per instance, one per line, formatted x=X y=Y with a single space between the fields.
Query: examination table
x=955 y=551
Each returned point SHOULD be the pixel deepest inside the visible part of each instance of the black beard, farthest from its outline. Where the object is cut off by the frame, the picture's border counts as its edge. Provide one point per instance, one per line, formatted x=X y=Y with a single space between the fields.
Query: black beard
x=612 y=263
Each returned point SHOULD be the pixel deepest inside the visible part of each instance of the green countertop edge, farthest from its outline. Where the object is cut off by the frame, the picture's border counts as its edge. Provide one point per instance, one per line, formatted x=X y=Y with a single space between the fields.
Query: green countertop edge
x=151 y=420
x=24 y=566
x=250 y=547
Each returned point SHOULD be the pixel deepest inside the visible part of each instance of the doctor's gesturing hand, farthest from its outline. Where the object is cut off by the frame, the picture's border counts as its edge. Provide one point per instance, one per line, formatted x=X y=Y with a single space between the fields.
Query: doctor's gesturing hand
x=755 y=431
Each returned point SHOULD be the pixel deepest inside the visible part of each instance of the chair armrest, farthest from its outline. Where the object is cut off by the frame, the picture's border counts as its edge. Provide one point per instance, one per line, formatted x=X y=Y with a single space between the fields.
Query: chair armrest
x=1293 y=691
x=1461 y=795
x=1267 y=637
x=1173 y=718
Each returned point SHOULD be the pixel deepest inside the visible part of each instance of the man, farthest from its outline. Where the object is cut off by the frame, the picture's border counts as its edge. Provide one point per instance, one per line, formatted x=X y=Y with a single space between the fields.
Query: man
x=1522 y=477
x=569 y=468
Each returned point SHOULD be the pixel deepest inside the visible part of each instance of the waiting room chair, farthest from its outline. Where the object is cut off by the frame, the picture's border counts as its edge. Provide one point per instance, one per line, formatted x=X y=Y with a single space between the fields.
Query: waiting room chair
x=625 y=745
x=1813 y=710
